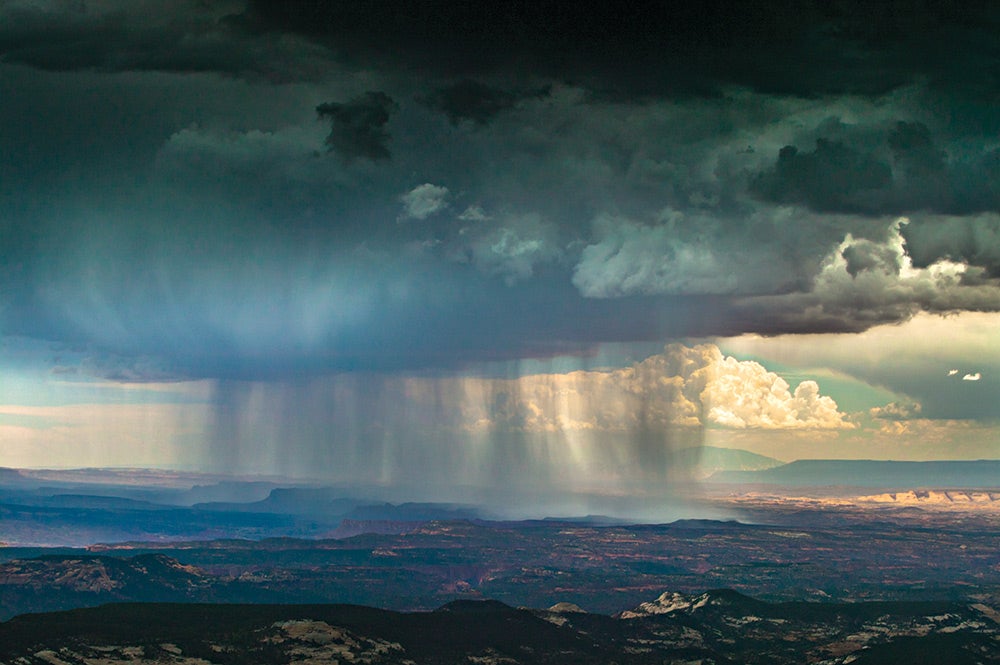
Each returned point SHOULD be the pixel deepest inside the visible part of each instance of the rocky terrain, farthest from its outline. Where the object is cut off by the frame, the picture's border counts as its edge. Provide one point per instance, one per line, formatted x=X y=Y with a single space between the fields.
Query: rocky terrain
x=64 y=581
x=797 y=551
x=720 y=627
x=938 y=498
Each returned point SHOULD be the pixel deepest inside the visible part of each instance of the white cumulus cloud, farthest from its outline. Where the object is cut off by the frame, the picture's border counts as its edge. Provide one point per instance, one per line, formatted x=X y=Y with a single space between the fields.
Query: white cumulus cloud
x=424 y=200
x=745 y=395
x=681 y=387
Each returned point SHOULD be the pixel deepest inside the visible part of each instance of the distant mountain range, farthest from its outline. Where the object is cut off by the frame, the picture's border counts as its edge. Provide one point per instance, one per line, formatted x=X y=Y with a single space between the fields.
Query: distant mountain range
x=872 y=473
x=220 y=493
x=87 y=506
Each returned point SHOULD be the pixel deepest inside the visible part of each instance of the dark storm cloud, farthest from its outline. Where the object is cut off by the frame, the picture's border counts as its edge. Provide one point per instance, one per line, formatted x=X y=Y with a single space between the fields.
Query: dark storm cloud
x=662 y=47
x=832 y=177
x=240 y=254
x=358 y=127
x=914 y=151
x=478 y=102
x=870 y=256
x=973 y=239
x=119 y=36
x=207 y=303
x=560 y=176
x=902 y=171
x=650 y=48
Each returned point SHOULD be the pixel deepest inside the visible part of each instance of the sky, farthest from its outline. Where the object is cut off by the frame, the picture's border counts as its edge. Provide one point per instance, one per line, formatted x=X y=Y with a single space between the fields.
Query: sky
x=512 y=244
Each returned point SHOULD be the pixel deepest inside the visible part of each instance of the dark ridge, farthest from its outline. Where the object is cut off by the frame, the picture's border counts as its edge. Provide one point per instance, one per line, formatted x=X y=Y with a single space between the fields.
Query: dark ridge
x=729 y=628
x=464 y=606
x=442 y=636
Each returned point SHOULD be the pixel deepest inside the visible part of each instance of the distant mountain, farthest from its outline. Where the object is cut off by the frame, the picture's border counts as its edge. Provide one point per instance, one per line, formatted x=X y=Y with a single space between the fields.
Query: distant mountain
x=317 y=501
x=706 y=460
x=229 y=490
x=88 y=501
x=13 y=478
x=720 y=627
x=75 y=521
x=174 y=488
x=873 y=473
x=330 y=505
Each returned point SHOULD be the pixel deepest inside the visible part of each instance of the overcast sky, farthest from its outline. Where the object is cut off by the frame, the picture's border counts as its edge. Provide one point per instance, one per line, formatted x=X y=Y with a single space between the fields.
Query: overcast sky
x=247 y=235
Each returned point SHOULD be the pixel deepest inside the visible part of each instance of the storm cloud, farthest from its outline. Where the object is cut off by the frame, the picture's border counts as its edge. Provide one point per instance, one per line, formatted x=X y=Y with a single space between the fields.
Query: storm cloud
x=427 y=244
x=657 y=47
x=503 y=185
x=478 y=102
x=358 y=127
x=907 y=172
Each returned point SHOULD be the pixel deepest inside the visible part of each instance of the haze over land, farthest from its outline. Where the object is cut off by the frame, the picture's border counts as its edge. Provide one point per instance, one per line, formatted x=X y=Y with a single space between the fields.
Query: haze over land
x=459 y=253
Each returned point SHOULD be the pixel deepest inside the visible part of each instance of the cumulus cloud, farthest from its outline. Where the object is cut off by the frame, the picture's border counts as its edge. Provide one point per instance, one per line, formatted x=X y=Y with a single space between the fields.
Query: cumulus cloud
x=898 y=410
x=358 y=127
x=424 y=200
x=866 y=282
x=681 y=387
x=637 y=259
x=910 y=358
x=745 y=395
x=968 y=376
x=698 y=252
x=512 y=248
x=865 y=255
x=658 y=393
